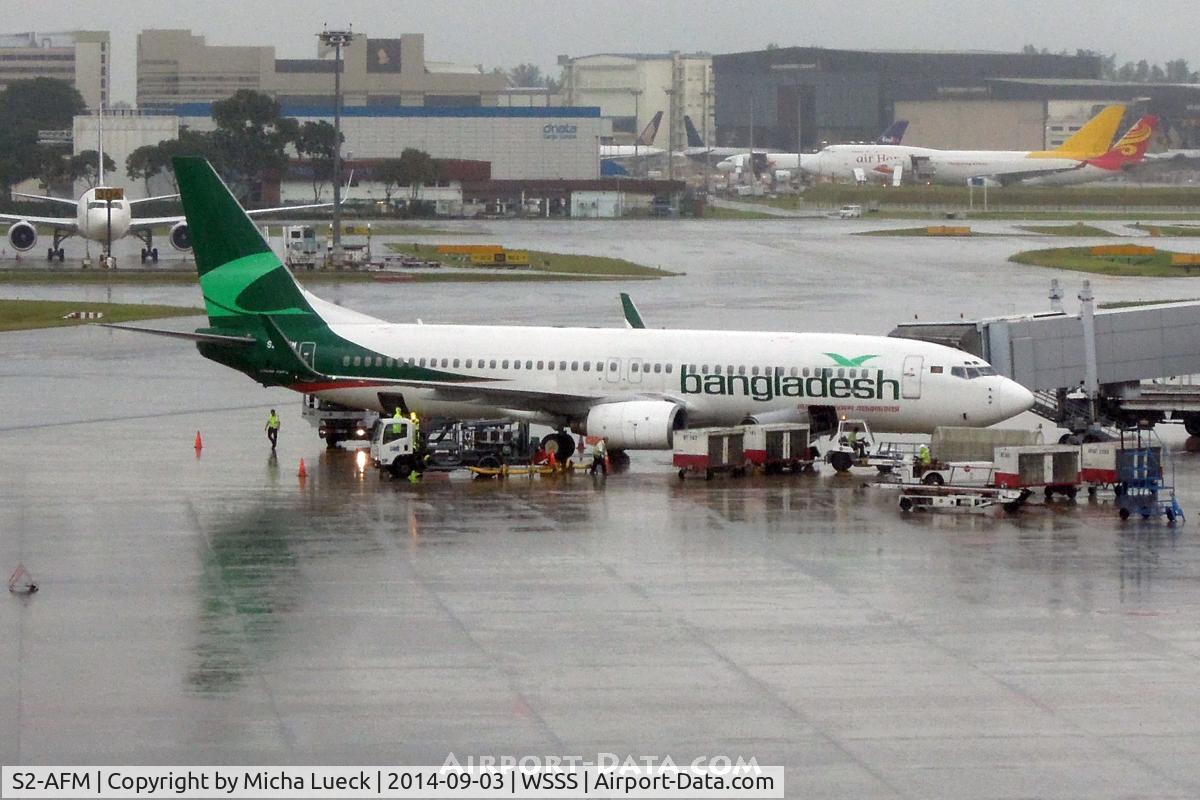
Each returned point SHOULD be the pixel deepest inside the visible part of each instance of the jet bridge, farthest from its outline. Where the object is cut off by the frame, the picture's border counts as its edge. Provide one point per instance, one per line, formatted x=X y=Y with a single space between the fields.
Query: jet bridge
x=1138 y=365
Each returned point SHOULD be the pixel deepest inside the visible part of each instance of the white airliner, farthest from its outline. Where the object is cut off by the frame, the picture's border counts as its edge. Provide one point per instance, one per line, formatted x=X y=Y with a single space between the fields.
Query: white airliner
x=1128 y=152
x=635 y=386
x=642 y=149
x=696 y=148
x=956 y=167
x=92 y=220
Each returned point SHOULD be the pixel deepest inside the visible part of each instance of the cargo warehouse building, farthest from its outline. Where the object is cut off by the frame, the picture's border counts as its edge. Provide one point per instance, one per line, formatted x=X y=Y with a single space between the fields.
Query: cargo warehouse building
x=844 y=95
x=520 y=142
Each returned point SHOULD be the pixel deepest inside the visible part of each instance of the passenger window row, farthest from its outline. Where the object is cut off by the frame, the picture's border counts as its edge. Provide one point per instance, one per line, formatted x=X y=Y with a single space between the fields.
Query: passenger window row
x=794 y=372
x=515 y=364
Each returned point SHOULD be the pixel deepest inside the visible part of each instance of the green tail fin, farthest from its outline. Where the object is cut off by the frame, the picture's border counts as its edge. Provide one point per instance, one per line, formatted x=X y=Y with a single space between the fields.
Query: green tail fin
x=239 y=274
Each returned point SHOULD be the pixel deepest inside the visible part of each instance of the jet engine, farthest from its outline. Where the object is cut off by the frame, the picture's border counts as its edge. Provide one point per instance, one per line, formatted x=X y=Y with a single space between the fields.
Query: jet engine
x=22 y=236
x=181 y=237
x=637 y=424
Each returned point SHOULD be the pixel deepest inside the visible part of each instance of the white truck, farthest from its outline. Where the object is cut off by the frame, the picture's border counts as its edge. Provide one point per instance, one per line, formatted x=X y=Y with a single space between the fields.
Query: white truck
x=396 y=447
x=336 y=423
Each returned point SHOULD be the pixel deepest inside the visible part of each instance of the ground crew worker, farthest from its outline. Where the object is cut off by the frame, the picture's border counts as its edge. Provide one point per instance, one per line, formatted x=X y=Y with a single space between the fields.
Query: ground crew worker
x=600 y=456
x=415 y=421
x=397 y=418
x=852 y=440
x=923 y=457
x=273 y=428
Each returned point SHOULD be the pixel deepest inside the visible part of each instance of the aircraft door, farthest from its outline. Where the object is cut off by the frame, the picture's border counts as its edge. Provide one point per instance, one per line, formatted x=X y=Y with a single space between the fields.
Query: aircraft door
x=910 y=380
x=308 y=353
x=636 y=368
x=612 y=369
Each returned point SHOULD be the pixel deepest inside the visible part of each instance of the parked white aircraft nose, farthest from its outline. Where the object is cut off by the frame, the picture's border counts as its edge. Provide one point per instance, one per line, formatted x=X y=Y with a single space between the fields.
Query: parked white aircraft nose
x=1013 y=398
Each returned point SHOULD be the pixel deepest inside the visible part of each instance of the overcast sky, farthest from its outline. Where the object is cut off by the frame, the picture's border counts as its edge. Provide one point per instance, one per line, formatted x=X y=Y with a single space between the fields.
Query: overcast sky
x=501 y=33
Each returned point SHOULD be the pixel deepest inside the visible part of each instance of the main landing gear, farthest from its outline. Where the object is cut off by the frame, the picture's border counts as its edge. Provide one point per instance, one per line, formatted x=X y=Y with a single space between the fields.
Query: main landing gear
x=149 y=252
x=56 y=250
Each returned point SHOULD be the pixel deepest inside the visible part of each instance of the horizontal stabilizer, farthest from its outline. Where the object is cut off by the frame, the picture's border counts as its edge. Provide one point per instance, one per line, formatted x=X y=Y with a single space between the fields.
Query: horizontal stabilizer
x=153 y=199
x=210 y=338
x=47 y=199
x=632 y=318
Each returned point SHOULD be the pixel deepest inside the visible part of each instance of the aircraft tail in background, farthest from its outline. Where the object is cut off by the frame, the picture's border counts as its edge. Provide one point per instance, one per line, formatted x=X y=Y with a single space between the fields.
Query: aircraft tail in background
x=651 y=131
x=894 y=134
x=1130 y=149
x=1094 y=138
x=693 y=135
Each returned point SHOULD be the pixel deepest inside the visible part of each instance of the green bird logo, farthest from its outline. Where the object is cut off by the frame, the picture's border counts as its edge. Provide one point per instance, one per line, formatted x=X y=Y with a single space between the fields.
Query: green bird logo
x=842 y=361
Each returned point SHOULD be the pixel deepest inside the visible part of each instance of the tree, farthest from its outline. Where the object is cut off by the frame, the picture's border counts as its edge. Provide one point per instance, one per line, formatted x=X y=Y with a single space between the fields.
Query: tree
x=250 y=138
x=315 y=141
x=189 y=143
x=82 y=167
x=526 y=75
x=530 y=76
x=52 y=167
x=417 y=168
x=1178 y=71
x=390 y=173
x=25 y=108
x=144 y=163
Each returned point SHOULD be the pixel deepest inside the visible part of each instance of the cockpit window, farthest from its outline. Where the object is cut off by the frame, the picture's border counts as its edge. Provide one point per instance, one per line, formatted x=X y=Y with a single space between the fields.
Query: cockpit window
x=972 y=372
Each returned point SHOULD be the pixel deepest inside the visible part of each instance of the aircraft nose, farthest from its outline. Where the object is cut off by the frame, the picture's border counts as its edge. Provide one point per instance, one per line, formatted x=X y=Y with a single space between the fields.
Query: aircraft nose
x=1013 y=398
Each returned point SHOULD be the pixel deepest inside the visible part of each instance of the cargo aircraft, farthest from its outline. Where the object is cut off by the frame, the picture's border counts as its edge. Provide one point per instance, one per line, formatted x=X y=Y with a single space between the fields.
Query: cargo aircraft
x=635 y=386
x=956 y=167
x=1128 y=152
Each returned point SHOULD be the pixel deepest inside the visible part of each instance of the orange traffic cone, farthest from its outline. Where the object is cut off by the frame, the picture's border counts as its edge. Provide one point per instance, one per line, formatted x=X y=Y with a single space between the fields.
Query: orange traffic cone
x=303 y=473
x=199 y=443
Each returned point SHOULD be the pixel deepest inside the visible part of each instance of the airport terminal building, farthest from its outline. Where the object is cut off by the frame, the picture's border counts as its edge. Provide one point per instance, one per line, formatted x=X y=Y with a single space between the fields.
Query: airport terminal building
x=81 y=58
x=772 y=97
x=175 y=67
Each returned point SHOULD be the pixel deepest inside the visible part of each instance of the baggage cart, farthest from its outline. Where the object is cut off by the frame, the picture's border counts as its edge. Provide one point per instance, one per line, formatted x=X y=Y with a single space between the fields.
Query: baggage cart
x=708 y=451
x=1053 y=468
x=778 y=447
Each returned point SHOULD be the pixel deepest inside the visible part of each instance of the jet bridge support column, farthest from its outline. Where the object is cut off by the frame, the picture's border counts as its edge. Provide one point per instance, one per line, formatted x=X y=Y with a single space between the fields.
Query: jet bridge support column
x=1091 y=381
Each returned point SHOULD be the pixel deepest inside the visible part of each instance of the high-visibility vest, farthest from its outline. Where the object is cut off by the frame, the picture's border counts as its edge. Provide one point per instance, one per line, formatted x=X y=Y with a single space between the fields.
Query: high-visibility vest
x=273 y=422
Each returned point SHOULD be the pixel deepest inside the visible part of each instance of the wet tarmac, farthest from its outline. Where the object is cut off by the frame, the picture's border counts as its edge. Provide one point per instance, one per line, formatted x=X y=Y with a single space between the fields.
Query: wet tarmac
x=215 y=608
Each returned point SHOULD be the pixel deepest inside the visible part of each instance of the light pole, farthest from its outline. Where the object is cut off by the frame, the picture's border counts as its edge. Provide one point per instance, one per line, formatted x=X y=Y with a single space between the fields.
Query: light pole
x=669 y=91
x=337 y=40
x=707 y=93
x=637 y=95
